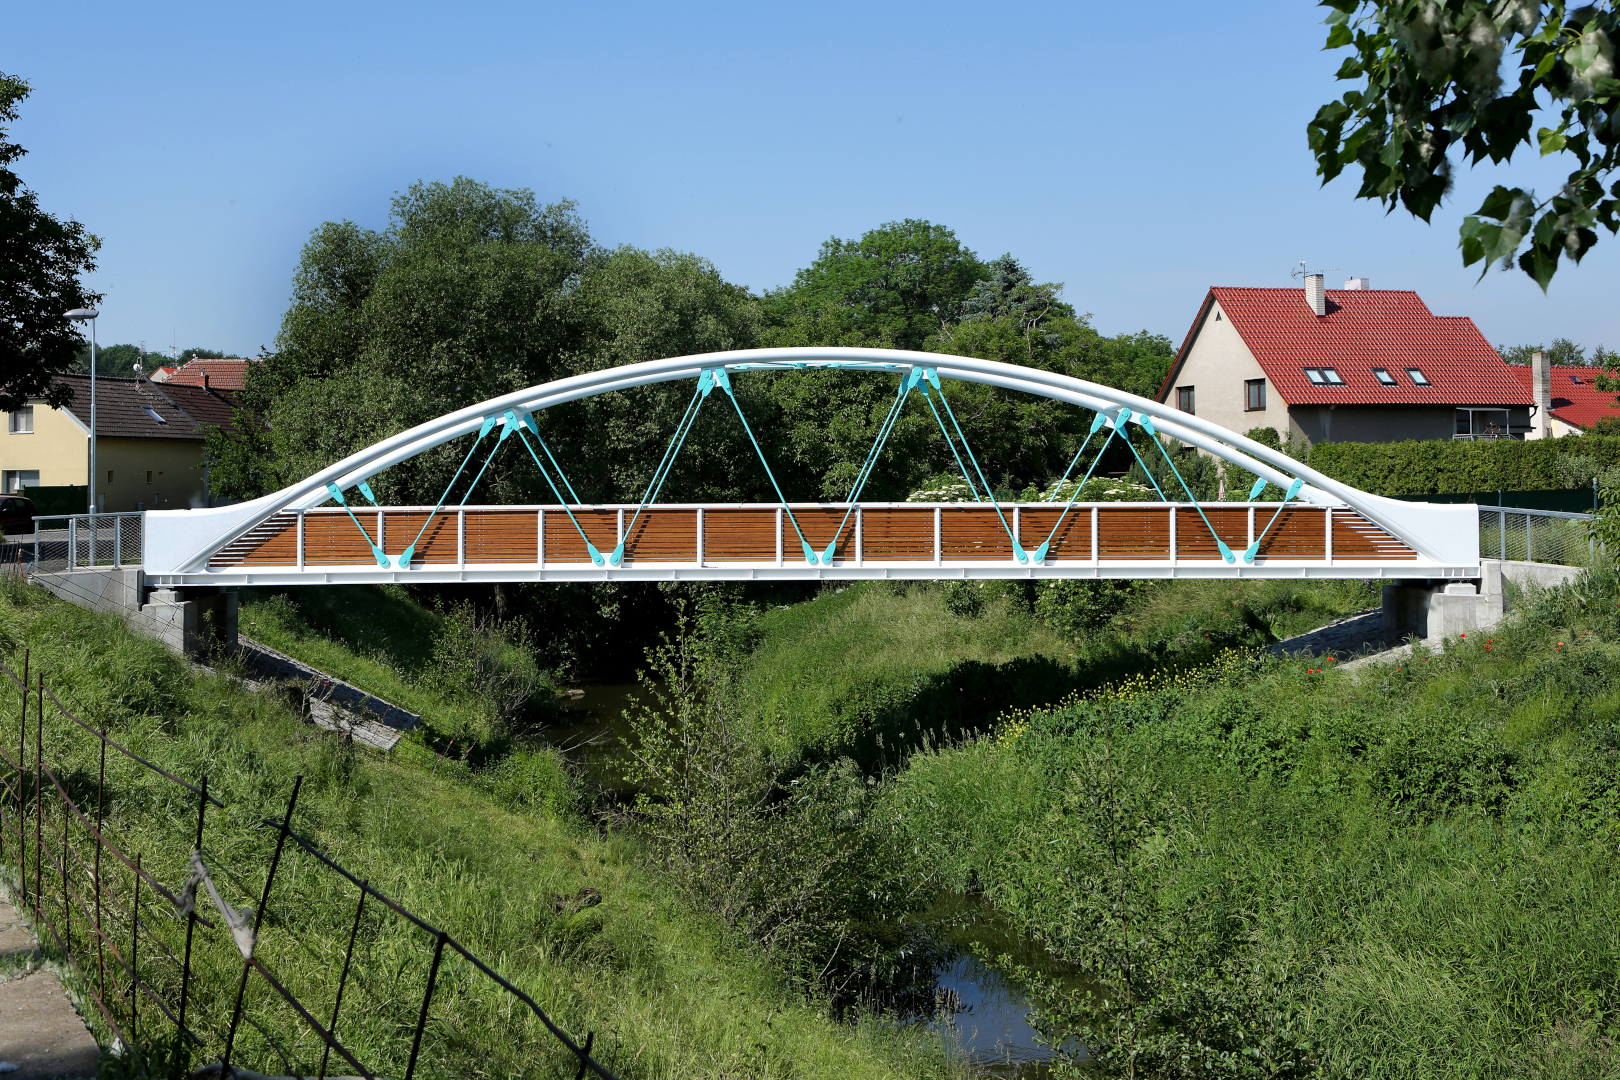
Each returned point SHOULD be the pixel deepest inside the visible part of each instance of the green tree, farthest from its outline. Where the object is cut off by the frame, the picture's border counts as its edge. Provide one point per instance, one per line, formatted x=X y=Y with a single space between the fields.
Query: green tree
x=1432 y=82
x=892 y=288
x=41 y=260
x=1562 y=352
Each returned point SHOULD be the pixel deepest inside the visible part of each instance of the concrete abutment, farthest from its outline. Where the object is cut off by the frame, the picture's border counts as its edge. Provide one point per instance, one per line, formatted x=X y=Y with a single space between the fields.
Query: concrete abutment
x=196 y=622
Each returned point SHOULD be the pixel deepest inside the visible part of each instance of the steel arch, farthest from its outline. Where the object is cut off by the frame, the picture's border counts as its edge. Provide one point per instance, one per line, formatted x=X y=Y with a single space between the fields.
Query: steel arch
x=179 y=543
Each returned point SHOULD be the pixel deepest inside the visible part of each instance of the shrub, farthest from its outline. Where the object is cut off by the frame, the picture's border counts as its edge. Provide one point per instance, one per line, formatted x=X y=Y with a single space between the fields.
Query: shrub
x=488 y=662
x=1433 y=467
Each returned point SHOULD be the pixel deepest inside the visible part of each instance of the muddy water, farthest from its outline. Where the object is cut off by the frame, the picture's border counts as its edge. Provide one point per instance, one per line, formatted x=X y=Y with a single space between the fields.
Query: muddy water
x=592 y=733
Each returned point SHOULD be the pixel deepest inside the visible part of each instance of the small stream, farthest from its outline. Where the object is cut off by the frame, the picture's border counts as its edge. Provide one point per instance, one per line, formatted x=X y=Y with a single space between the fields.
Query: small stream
x=986 y=1017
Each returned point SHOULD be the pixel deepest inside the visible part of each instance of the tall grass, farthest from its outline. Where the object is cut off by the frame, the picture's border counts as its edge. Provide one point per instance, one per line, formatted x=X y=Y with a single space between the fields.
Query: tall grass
x=1408 y=870
x=485 y=856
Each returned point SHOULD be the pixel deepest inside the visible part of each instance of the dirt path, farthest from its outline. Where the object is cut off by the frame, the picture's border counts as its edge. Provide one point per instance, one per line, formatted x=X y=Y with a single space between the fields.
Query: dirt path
x=41 y=1035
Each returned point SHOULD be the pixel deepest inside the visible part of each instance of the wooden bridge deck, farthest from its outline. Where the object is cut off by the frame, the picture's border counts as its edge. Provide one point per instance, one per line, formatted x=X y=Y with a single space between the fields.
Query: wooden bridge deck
x=923 y=538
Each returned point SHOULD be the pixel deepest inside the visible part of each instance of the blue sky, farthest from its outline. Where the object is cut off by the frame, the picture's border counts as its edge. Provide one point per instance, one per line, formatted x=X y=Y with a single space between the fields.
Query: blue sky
x=1136 y=153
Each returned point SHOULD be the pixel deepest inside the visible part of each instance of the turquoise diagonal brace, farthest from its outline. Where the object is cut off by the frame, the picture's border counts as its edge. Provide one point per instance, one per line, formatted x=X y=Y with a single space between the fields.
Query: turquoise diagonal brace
x=337 y=496
x=1254 y=548
x=1226 y=552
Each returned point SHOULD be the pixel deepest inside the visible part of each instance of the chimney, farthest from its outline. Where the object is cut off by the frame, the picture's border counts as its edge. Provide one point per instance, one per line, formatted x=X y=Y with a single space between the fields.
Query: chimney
x=205 y=380
x=1357 y=284
x=1541 y=389
x=1316 y=293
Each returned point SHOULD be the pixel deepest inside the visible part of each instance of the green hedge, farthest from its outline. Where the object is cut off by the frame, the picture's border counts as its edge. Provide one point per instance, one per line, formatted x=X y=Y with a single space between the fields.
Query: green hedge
x=1435 y=466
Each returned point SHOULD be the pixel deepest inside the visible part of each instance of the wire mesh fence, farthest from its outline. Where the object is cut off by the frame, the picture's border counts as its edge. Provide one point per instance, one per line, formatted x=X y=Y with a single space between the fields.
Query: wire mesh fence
x=1545 y=536
x=85 y=541
x=155 y=917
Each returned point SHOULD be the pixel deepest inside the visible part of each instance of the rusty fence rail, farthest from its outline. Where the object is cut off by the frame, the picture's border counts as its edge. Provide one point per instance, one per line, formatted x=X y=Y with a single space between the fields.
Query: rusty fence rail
x=94 y=898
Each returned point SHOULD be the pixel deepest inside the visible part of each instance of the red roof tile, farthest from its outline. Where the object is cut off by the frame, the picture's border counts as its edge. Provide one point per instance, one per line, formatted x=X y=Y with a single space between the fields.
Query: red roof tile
x=222 y=374
x=1579 y=403
x=1364 y=329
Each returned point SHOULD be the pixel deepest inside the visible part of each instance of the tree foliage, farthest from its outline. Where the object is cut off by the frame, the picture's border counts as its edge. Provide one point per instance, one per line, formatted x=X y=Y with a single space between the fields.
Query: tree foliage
x=1562 y=352
x=41 y=260
x=1432 y=75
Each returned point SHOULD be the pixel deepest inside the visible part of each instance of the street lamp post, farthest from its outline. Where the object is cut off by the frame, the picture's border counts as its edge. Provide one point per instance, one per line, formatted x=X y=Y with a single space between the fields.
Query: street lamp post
x=89 y=315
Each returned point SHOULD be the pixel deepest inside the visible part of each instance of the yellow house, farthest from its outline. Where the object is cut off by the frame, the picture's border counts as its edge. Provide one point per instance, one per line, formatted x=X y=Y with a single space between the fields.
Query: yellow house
x=149 y=443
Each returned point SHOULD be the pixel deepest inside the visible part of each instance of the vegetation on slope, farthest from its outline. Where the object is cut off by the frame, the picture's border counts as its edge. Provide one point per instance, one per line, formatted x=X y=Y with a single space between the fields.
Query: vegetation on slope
x=1266 y=869
x=669 y=991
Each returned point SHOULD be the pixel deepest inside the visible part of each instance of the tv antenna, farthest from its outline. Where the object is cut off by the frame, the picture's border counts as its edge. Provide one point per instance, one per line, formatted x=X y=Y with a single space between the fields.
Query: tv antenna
x=1301 y=273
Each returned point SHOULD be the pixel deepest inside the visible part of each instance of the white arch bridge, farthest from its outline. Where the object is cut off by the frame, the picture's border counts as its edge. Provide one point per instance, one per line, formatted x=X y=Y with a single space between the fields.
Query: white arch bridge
x=1321 y=529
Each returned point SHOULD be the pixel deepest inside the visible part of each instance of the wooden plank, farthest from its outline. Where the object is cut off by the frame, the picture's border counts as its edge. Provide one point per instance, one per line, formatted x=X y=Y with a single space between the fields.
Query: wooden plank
x=1299 y=533
x=1135 y=532
x=563 y=543
x=332 y=539
x=1195 y=541
x=437 y=547
x=973 y=534
x=1073 y=539
x=1354 y=537
x=897 y=534
x=662 y=536
x=744 y=536
x=270 y=543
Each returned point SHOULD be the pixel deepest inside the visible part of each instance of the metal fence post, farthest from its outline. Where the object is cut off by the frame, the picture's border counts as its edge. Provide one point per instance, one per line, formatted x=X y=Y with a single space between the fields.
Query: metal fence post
x=343 y=979
x=118 y=543
x=22 y=773
x=39 y=788
x=191 y=925
x=1529 y=522
x=1501 y=521
x=134 y=948
x=101 y=783
x=258 y=919
x=73 y=543
x=421 y=1019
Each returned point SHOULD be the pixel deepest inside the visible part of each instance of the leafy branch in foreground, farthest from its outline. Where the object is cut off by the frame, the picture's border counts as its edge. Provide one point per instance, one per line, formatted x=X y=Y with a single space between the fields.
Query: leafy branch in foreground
x=1433 y=82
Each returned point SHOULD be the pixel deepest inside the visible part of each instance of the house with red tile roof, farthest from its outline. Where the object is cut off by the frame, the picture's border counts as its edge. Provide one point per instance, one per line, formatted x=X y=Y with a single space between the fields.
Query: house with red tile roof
x=1344 y=365
x=214 y=374
x=1573 y=401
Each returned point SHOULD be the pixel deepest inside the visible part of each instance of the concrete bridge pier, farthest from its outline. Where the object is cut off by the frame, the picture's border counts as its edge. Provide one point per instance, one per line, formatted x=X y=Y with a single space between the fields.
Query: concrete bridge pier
x=195 y=621
x=1435 y=610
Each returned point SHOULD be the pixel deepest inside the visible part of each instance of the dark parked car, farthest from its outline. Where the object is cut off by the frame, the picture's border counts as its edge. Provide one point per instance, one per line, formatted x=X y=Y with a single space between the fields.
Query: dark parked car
x=16 y=514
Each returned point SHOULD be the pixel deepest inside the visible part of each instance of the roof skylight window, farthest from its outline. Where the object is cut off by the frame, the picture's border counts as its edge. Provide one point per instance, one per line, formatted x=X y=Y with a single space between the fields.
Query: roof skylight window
x=1576 y=379
x=1316 y=376
x=1384 y=376
x=1323 y=376
x=153 y=414
x=1417 y=376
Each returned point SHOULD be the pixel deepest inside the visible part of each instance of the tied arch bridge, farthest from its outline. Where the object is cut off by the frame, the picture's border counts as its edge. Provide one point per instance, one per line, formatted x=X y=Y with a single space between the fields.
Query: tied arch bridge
x=329 y=528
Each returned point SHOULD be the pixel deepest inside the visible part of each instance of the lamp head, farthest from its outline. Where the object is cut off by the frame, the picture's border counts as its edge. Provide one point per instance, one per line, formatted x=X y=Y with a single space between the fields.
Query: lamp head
x=80 y=314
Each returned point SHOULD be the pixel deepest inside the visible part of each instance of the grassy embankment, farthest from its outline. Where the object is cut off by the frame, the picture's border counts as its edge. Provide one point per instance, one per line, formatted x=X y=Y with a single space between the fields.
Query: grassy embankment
x=1406 y=870
x=869 y=670
x=484 y=855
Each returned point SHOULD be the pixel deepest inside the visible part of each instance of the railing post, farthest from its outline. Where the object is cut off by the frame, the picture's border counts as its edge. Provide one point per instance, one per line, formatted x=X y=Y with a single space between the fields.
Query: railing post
x=39 y=789
x=73 y=543
x=258 y=918
x=939 y=543
x=300 y=539
x=343 y=979
x=22 y=773
x=699 y=559
x=191 y=924
x=1528 y=521
x=101 y=784
x=134 y=948
x=118 y=542
x=1501 y=522
x=421 y=1019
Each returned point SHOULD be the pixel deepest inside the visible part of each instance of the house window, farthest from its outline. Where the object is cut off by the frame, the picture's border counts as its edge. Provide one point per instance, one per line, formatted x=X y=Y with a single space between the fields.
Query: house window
x=1384 y=376
x=17 y=479
x=153 y=414
x=148 y=476
x=1323 y=376
x=1254 y=395
x=1184 y=399
x=22 y=421
x=1482 y=424
x=1576 y=379
x=109 y=476
x=1417 y=376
